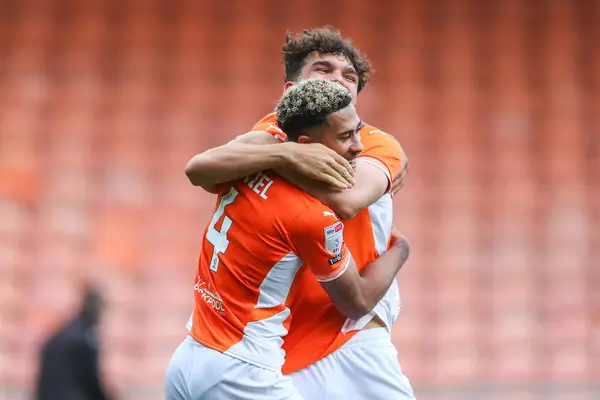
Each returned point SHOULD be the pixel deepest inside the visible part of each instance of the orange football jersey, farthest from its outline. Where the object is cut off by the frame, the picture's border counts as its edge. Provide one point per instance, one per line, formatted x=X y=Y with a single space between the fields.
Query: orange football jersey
x=262 y=234
x=317 y=328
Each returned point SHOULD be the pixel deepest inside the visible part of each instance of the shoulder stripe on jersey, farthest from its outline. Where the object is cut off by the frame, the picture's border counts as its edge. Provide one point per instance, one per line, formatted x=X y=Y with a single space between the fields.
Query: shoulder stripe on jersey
x=262 y=341
x=275 y=288
x=381 y=214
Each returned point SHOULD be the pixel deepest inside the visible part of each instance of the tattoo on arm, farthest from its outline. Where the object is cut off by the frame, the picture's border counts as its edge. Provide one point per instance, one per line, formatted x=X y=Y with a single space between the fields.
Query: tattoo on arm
x=403 y=245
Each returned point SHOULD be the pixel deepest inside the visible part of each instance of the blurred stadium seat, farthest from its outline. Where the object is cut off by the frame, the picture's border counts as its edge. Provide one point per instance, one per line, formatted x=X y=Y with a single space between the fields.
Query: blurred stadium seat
x=496 y=104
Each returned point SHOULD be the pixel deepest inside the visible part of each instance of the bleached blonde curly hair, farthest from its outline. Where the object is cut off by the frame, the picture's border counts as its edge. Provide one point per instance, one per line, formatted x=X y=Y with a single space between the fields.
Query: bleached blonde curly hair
x=308 y=103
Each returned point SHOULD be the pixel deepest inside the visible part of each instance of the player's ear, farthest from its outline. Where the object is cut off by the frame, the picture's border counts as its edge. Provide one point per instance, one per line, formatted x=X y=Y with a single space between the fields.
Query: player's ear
x=288 y=85
x=303 y=139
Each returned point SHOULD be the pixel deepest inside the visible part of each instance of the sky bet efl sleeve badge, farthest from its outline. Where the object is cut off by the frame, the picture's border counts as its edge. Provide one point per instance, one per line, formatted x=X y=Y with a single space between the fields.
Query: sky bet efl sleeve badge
x=334 y=236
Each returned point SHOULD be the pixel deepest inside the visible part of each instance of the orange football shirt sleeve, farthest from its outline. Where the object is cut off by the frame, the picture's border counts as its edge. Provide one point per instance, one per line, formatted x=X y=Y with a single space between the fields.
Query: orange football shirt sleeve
x=318 y=237
x=269 y=124
x=383 y=151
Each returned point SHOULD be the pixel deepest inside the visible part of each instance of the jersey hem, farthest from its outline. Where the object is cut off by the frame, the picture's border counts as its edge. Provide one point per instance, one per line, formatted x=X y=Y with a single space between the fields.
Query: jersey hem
x=253 y=362
x=347 y=337
x=233 y=354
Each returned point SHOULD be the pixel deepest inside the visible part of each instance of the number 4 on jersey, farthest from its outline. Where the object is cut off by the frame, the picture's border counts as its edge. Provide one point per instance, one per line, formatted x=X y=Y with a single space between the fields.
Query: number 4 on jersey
x=219 y=238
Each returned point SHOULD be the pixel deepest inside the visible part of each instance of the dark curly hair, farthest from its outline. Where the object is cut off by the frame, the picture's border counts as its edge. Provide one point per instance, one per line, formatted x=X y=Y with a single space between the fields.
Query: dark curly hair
x=326 y=40
x=308 y=104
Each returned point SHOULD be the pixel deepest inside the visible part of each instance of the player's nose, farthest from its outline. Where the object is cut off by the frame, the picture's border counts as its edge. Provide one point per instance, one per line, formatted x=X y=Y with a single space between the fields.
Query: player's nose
x=356 y=146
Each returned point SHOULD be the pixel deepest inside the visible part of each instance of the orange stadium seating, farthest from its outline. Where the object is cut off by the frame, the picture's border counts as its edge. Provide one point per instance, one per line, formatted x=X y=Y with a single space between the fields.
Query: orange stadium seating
x=496 y=104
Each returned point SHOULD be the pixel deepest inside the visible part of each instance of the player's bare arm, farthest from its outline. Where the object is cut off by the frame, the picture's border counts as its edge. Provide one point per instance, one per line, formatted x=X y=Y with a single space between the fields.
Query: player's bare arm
x=400 y=178
x=372 y=175
x=244 y=157
x=314 y=176
x=370 y=184
x=256 y=137
x=372 y=181
x=233 y=161
x=318 y=236
x=356 y=293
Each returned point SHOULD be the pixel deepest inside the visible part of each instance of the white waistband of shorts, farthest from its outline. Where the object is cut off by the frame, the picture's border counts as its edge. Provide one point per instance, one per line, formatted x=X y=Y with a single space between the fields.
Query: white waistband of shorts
x=368 y=335
x=193 y=341
x=233 y=354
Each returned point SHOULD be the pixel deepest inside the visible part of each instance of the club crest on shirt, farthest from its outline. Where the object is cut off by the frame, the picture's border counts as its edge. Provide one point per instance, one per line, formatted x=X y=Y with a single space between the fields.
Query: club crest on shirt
x=334 y=235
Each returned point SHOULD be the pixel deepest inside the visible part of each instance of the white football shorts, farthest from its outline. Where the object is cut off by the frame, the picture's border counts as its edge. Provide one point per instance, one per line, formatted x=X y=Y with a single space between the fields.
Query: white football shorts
x=197 y=372
x=365 y=368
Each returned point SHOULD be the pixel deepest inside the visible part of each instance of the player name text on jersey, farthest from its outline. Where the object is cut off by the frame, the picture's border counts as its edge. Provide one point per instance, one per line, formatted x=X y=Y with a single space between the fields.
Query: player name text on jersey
x=259 y=183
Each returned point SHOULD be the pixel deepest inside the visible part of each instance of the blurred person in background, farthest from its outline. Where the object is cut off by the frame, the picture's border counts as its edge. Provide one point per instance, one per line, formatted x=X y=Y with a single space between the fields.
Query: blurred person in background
x=328 y=355
x=69 y=362
x=266 y=232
